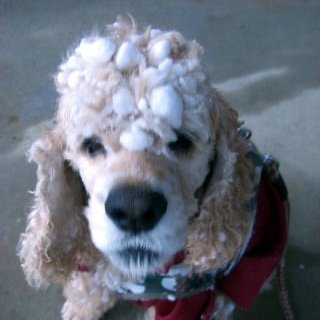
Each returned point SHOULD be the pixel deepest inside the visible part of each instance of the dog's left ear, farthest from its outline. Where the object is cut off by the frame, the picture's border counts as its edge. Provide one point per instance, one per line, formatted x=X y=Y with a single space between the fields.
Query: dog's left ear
x=217 y=232
x=57 y=231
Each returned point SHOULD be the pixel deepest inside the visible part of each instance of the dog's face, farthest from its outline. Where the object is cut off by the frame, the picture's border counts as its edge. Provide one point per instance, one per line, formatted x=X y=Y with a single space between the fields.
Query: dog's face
x=140 y=201
x=135 y=112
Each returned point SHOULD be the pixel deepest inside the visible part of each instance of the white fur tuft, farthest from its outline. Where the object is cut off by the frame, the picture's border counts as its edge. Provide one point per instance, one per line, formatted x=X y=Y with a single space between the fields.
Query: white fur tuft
x=135 y=139
x=159 y=51
x=98 y=51
x=74 y=79
x=167 y=104
x=128 y=56
x=123 y=102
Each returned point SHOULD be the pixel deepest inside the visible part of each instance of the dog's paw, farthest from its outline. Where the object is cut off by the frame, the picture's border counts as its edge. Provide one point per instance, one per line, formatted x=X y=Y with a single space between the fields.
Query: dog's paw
x=224 y=308
x=150 y=314
x=72 y=312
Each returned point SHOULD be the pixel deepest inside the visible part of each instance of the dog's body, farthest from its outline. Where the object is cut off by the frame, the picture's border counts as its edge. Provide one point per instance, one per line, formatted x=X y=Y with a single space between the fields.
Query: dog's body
x=144 y=160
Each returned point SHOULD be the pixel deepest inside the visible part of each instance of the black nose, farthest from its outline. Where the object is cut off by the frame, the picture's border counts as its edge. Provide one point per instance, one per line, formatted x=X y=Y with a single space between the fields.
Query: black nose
x=135 y=208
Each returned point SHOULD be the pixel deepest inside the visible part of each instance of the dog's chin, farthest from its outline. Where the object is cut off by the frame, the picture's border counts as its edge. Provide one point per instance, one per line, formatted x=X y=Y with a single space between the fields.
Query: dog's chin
x=136 y=261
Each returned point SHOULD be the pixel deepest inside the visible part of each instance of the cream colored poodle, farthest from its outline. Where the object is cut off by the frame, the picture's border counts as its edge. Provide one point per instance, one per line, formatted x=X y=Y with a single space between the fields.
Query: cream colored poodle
x=144 y=161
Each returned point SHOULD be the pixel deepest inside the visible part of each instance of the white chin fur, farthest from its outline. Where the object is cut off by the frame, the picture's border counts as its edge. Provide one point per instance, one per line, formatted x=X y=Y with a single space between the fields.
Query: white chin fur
x=136 y=268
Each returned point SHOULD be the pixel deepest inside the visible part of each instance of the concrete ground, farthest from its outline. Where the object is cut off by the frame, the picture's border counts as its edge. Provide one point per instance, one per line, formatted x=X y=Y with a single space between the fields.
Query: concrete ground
x=264 y=55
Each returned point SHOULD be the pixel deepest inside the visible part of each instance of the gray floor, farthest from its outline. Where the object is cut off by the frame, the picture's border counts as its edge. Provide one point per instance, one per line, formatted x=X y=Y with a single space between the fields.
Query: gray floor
x=264 y=55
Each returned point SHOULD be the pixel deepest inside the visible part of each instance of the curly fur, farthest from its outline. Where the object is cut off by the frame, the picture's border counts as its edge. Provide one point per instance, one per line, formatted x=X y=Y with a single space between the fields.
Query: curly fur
x=225 y=207
x=58 y=236
x=56 y=232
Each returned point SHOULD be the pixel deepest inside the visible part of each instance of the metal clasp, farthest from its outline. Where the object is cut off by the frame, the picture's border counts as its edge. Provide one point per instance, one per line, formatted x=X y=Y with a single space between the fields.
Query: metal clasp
x=245 y=133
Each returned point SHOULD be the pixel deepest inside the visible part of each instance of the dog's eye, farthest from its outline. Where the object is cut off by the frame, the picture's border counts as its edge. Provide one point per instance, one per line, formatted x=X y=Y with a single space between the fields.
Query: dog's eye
x=93 y=146
x=182 y=145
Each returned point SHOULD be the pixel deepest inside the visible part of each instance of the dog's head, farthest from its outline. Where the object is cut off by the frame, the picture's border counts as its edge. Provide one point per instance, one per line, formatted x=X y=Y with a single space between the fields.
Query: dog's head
x=141 y=163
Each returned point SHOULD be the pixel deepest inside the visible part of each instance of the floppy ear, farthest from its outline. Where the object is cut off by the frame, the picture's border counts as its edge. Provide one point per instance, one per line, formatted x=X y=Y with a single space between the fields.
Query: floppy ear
x=56 y=234
x=218 y=231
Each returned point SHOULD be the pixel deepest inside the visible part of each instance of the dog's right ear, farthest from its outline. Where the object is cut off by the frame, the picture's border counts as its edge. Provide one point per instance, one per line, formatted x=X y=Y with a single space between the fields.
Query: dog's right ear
x=56 y=232
x=219 y=230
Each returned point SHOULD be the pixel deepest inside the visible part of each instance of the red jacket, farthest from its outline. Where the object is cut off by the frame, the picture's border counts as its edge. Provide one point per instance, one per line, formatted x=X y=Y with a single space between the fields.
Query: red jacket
x=243 y=283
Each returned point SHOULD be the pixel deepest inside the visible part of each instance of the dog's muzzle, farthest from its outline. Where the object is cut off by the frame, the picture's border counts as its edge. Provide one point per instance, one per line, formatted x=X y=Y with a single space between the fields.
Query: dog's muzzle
x=135 y=208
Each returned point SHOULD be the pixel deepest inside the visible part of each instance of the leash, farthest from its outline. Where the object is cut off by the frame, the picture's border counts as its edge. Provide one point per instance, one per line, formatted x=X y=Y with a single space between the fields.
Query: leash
x=285 y=302
x=272 y=168
x=284 y=293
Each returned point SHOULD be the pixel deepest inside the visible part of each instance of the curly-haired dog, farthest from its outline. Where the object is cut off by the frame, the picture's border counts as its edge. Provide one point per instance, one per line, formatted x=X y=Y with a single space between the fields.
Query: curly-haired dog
x=143 y=169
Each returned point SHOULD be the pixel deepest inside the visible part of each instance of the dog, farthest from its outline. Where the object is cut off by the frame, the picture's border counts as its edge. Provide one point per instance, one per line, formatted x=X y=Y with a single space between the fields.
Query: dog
x=144 y=175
